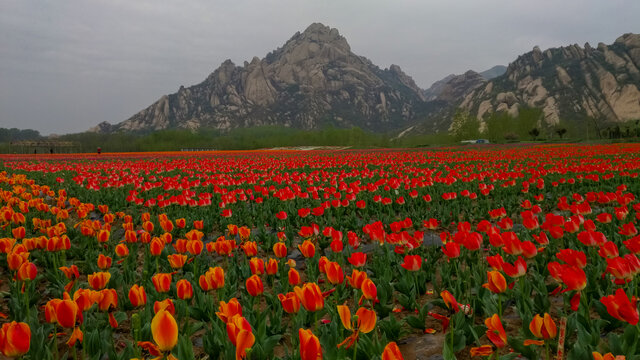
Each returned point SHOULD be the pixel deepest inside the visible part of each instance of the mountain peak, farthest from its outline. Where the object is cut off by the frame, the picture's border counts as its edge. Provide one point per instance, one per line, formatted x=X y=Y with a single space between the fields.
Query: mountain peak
x=317 y=36
x=313 y=80
x=568 y=83
x=318 y=28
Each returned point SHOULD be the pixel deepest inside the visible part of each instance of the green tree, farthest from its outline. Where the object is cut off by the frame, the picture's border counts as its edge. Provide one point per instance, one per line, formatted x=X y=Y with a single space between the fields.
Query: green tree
x=464 y=126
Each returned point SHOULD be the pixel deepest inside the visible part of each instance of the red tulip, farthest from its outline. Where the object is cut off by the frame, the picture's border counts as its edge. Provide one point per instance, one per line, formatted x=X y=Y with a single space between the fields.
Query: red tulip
x=496 y=282
x=164 y=330
x=226 y=311
x=412 y=262
x=519 y=268
x=137 y=296
x=294 y=277
x=256 y=266
x=450 y=301
x=290 y=302
x=358 y=259
x=357 y=278
x=334 y=272
x=310 y=296
x=369 y=290
x=184 y=289
x=254 y=285
x=495 y=331
x=620 y=307
x=392 y=352
x=27 y=271
x=543 y=328
x=309 y=346
x=162 y=282
x=574 y=278
x=272 y=266
x=451 y=250
x=15 y=339
x=280 y=250
x=213 y=279
x=98 y=280
x=307 y=249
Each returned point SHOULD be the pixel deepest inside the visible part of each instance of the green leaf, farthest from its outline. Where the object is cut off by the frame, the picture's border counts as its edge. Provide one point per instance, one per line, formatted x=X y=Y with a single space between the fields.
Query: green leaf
x=529 y=352
x=579 y=352
x=447 y=352
x=510 y=356
x=615 y=344
x=415 y=322
x=459 y=341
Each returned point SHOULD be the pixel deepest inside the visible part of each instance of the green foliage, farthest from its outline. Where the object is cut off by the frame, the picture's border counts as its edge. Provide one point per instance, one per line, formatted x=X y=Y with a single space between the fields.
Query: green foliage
x=423 y=140
x=464 y=126
x=534 y=133
x=236 y=139
x=13 y=134
x=502 y=127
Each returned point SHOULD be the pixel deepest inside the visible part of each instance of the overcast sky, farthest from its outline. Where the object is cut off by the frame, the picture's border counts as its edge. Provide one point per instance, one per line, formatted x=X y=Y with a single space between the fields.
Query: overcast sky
x=67 y=65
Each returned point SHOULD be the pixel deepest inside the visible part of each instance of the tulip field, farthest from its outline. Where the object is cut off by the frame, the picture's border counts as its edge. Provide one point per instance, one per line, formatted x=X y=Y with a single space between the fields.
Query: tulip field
x=496 y=252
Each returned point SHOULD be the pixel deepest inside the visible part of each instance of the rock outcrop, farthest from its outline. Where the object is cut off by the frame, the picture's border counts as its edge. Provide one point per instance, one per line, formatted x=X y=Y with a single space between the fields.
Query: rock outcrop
x=314 y=80
x=571 y=83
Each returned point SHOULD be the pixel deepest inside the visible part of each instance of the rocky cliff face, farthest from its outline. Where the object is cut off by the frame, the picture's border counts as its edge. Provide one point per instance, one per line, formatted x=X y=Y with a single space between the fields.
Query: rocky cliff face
x=447 y=94
x=457 y=87
x=312 y=81
x=570 y=83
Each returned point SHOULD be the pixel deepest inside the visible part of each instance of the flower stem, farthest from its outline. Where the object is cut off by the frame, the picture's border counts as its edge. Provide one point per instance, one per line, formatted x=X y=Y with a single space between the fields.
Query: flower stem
x=546 y=349
x=451 y=330
x=315 y=322
x=355 y=350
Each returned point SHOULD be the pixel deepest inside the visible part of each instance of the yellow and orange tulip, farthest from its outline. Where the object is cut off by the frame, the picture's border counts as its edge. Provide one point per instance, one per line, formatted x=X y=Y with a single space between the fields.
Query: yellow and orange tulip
x=543 y=327
x=162 y=282
x=164 y=330
x=290 y=302
x=310 y=296
x=254 y=285
x=392 y=352
x=15 y=339
x=213 y=279
x=184 y=289
x=310 y=348
x=99 y=280
x=496 y=282
x=137 y=296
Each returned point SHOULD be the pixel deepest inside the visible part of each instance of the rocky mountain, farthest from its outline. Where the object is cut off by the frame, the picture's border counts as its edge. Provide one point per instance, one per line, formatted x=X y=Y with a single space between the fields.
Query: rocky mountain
x=437 y=87
x=494 y=72
x=448 y=93
x=570 y=83
x=454 y=87
x=314 y=80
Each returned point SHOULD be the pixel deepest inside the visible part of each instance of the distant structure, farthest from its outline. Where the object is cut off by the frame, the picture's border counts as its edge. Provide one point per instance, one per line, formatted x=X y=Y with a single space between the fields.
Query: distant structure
x=476 y=141
x=43 y=147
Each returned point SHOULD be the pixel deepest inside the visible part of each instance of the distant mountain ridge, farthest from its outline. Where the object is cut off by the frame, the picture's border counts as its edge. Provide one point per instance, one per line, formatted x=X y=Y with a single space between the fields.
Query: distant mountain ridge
x=571 y=82
x=494 y=72
x=314 y=80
